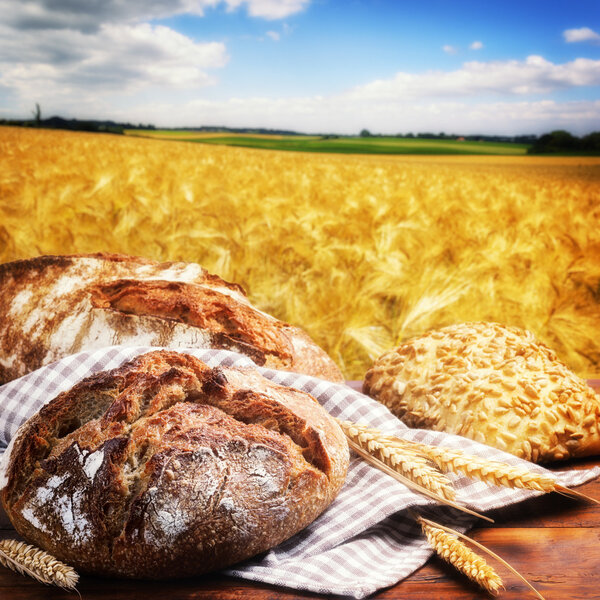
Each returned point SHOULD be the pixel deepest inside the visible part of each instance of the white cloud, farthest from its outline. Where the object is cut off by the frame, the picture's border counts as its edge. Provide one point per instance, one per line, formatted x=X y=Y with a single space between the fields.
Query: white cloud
x=535 y=75
x=88 y=16
x=274 y=35
x=270 y=9
x=584 y=34
x=449 y=49
x=477 y=45
x=477 y=98
x=118 y=57
x=340 y=114
x=95 y=53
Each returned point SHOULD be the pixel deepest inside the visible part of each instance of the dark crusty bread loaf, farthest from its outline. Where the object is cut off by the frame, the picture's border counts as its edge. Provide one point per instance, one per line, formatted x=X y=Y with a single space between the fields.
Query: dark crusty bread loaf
x=53 y=306
x=165 y=467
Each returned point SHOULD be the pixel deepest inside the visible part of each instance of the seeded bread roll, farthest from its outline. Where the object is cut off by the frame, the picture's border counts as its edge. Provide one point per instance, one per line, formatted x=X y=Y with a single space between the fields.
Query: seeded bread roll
x=165 y=468
x=53 y=306
x=493 y=384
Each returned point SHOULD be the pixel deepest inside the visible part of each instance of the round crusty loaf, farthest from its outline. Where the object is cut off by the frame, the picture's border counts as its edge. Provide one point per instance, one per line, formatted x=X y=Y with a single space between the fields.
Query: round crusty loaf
x=491 y=383
x=53 y=306
x=165 y=467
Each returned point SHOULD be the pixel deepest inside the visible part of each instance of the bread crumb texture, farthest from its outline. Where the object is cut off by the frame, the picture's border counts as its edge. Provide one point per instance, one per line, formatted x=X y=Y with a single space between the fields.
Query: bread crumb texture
x=165 y=467
x=495 y=384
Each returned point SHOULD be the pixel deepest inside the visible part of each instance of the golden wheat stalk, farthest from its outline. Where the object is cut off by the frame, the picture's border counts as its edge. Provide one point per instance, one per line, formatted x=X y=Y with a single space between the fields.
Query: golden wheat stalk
x=446 y=543
x=491 y=471
x=382 y=466
x=475 y=467
x=33 y=562
x=407 y=461
x=461 y=557
x=393 y=218
x=494 y=472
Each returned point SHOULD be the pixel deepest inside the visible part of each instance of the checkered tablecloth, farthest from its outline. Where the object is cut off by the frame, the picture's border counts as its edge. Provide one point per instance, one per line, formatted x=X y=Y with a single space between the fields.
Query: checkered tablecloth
x=366 y=540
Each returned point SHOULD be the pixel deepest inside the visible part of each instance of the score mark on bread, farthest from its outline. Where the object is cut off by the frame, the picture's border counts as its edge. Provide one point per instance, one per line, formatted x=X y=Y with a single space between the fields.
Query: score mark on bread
x=495 y=384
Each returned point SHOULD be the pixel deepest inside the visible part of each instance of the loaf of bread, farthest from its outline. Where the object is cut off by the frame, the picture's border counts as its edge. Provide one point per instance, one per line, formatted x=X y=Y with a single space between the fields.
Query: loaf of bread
x=491 y=383
x=165 y=468
x=53 y=306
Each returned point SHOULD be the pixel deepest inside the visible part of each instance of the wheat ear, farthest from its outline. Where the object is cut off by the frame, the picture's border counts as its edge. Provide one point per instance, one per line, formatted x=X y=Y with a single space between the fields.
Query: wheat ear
x=497 y=473
x=409 y=462
x=494 y=472
x=382 y=466
x=445 y=542
x=475 y=467
x=460 y=556
x=31 y=561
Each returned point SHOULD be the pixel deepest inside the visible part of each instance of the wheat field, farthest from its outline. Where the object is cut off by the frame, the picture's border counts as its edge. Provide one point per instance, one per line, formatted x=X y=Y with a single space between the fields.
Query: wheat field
x=360 y=251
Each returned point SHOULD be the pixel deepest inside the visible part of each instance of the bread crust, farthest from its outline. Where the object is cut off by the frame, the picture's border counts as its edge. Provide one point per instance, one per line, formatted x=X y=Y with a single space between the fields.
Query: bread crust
x=165 y=468
x=495 y=384
x=54 y=306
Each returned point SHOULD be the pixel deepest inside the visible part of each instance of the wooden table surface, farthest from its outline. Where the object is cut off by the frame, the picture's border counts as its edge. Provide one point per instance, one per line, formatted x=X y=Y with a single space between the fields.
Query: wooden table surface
x=552 y=540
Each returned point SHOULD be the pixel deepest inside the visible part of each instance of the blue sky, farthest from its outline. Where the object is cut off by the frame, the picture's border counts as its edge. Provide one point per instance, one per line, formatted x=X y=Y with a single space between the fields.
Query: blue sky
x=308 y=65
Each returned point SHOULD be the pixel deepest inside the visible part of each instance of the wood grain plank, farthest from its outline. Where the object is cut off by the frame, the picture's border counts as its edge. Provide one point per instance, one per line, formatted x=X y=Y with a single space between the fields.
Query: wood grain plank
x=562 y=563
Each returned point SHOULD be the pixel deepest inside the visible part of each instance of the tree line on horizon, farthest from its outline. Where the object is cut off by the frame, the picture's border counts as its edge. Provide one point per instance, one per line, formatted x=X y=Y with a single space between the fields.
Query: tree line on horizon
x=480 y=137
x=555 y=142
x=561 y=141
x=558 y=141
